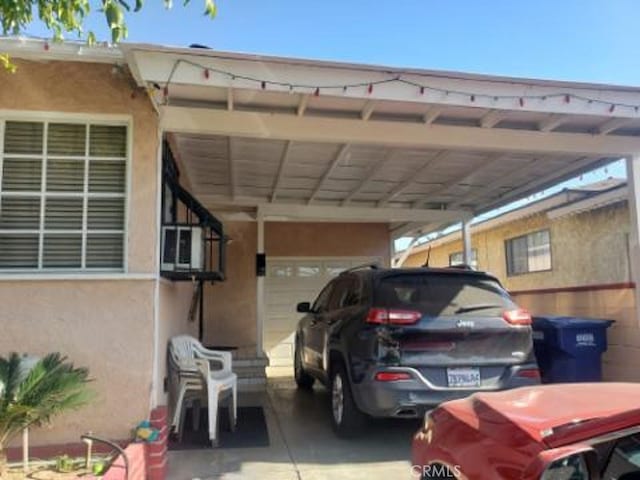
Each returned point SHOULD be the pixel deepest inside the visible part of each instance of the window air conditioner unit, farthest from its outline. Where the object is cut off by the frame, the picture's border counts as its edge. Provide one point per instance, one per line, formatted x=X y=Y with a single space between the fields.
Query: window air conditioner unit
x=182 y=248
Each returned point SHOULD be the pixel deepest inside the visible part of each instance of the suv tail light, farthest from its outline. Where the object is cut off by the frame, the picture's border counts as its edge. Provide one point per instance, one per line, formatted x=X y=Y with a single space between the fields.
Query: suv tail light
x=529 y=373
x=380 y=316
x=392 y=376
x=519 y=316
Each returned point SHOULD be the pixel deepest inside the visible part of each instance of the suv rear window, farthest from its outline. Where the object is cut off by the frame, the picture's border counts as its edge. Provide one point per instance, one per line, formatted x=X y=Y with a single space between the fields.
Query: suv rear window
x=442 y=295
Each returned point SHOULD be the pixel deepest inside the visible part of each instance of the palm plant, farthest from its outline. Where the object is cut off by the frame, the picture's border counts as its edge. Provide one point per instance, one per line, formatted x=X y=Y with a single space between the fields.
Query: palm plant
x=34 y=391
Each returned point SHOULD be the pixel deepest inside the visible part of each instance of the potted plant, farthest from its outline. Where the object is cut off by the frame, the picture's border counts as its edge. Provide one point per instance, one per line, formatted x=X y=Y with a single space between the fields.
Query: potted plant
x=32 y=391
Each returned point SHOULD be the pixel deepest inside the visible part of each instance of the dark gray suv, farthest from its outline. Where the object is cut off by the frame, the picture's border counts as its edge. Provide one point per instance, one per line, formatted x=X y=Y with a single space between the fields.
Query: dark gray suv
x=396 y=342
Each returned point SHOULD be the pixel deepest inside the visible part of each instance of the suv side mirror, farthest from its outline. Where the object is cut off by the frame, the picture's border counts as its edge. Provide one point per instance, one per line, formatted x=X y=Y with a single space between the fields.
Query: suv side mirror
x=303 y=307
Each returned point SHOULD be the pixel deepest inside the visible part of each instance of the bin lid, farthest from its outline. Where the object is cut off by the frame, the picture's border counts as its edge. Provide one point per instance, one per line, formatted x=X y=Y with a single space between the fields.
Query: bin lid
x=548 y=322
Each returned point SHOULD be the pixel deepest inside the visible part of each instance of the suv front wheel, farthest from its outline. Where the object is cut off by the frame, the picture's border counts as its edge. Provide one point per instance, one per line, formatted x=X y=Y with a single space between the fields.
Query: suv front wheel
x=346 y=419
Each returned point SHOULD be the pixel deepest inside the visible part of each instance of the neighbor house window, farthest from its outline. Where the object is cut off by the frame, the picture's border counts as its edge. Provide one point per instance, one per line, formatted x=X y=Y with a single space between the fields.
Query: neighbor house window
x=529 y=253
x=457 y=258
x=62 y=195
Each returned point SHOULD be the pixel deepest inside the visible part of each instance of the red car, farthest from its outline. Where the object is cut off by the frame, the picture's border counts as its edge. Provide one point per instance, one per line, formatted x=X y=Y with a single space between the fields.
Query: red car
x=548 y=432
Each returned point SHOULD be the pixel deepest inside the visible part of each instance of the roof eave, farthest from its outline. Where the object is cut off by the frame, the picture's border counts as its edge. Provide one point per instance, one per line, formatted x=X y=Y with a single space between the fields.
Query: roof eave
x=211 y=53
x=39 y=49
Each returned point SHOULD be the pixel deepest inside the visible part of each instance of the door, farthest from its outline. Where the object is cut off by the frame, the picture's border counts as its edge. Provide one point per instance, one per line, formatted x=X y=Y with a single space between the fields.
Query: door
x=288 y=282
x=314 y=326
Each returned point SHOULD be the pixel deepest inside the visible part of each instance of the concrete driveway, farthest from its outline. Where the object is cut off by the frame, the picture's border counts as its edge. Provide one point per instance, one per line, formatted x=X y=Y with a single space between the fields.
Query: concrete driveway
x=303 y=446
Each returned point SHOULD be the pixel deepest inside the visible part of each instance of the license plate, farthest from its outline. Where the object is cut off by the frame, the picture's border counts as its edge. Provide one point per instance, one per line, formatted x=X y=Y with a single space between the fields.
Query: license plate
x=463 y=377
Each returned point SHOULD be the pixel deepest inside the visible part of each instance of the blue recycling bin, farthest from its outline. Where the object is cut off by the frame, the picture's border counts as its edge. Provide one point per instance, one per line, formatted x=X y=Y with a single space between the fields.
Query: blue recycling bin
x=569 y=349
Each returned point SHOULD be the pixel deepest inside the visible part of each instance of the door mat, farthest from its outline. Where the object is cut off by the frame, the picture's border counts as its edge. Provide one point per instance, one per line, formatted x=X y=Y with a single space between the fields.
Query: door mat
x=251 y=431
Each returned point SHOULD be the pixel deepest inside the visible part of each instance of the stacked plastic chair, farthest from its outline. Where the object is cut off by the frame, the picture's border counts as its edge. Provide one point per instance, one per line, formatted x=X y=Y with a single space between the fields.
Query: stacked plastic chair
x=198 y=373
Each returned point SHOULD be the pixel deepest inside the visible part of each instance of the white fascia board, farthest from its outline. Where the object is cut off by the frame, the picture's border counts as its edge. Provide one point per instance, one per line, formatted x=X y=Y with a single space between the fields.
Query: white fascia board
x=591 y=203
x=37 y=49
x=493 y=93
x=343 y=130
x=285 y=212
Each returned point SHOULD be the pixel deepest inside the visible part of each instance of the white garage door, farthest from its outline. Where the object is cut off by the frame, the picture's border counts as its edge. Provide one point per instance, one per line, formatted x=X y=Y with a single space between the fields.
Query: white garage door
x=288 y=282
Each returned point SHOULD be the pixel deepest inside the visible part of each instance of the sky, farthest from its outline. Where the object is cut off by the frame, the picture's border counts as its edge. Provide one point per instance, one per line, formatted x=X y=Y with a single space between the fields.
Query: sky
x=580 y=40
x=590 y=40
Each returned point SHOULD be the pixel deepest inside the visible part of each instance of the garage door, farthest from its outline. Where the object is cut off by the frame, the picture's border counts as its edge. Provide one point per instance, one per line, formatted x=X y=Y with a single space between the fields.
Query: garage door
x=290 y=281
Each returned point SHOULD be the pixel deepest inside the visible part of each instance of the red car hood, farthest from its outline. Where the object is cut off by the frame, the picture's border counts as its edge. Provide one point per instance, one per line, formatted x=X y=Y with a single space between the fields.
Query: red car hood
x=553 y=415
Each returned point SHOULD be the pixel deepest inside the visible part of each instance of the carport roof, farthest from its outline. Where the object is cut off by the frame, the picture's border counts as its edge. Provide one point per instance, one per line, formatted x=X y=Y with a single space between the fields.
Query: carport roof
x=420 y=149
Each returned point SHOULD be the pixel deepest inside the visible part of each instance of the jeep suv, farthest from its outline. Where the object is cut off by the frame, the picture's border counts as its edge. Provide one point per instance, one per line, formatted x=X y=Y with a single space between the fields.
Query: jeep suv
x=396 y=342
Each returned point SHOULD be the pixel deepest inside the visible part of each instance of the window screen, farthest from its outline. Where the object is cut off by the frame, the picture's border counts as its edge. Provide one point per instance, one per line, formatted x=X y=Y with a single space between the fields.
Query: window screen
x=62 y=195
x=529 y=253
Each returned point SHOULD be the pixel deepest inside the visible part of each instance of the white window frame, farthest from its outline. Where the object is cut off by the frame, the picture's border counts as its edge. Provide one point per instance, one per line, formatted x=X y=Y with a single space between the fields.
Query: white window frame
x=507 y=242
x=85 y=119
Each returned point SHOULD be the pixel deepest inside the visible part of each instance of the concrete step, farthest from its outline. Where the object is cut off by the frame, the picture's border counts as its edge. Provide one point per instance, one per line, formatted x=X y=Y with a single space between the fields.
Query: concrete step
x=250 y=369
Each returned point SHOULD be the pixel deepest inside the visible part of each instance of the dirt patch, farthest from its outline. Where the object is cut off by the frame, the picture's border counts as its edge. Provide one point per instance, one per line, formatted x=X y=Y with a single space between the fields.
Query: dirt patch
x=44 y=473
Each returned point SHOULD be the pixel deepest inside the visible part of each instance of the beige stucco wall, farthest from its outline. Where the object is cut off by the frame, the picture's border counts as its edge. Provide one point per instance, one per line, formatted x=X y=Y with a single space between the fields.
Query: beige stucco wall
x=103 y=325
x=623 y=356
x=230 y=306
x=288 y=239
x=588 y=248
x=230 y=313
x=106 y=325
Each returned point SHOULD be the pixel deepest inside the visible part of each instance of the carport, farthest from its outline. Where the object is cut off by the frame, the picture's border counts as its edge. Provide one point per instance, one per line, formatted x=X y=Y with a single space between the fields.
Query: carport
x=285 y=141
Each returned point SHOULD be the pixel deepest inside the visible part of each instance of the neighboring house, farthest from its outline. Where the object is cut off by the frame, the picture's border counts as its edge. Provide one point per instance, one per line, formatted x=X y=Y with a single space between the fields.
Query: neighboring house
x=567 y=254
x=148 y=191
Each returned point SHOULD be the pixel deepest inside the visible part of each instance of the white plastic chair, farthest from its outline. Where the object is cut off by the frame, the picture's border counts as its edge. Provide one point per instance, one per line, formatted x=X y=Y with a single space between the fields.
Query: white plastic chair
x=186 y=387
x=196 y=370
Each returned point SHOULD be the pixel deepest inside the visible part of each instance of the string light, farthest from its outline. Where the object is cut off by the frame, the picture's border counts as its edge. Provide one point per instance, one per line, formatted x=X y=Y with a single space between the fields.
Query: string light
x=369 y=86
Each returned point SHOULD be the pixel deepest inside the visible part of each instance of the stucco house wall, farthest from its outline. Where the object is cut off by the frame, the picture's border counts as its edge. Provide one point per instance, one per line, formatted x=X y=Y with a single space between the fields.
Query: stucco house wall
x=105 y=323
x=586 y=248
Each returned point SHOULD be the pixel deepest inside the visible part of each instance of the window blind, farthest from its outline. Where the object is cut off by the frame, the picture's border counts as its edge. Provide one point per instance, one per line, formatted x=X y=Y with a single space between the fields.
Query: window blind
x=62 y=195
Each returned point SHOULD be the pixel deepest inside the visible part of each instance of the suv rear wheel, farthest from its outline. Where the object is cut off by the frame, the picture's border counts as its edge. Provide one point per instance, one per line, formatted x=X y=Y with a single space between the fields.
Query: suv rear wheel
x=303 y=379
x=346 y=419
